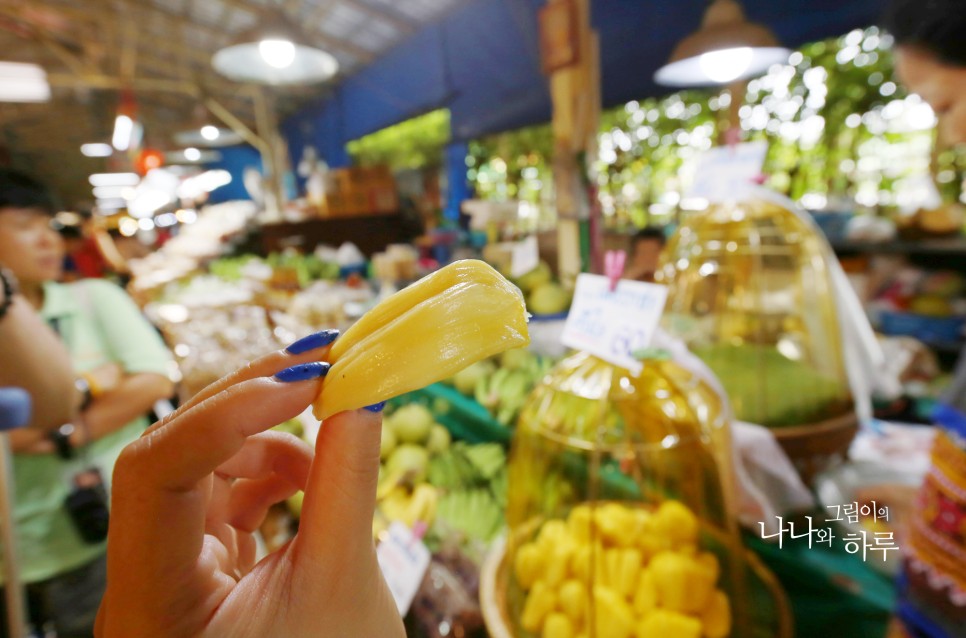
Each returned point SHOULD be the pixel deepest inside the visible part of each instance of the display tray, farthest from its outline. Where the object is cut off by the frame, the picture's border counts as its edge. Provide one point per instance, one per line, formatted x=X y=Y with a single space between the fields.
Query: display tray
x=770 y=606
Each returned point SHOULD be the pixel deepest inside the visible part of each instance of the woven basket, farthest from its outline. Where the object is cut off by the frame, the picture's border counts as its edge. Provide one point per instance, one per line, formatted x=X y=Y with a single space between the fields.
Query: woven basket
x=815 y=447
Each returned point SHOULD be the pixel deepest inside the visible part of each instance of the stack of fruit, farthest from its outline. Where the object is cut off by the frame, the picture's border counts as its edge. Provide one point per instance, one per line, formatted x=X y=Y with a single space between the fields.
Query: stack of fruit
x=544 y=295
x=472 y=480
x=502 y=384
x=642 y=571
x=410 y=437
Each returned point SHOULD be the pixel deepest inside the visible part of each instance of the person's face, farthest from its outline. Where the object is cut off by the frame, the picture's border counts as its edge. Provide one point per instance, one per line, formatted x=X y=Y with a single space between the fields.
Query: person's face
x=29 y=246
x=941 y=85
x=647 y=254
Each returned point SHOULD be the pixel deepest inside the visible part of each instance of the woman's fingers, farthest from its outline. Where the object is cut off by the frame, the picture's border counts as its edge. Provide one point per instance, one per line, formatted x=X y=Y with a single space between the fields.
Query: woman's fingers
x=341 y=494
x=269 y=452
x=198 y=441
x=251 y=499
x=157 y=495
x=314 y=347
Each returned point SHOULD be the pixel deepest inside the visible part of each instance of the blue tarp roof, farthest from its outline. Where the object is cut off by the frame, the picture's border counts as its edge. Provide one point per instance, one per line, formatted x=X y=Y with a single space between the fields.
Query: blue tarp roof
x=482 y=62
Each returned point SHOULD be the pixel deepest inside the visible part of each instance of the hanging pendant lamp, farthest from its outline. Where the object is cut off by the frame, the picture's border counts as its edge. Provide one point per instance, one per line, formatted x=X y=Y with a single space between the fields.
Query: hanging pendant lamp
x=725 y=49
x=275 y=52
x=204 y=132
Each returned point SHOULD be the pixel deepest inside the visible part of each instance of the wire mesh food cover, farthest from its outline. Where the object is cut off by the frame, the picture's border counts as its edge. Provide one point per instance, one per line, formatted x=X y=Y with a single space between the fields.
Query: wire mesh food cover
x=751 y=294
x=621 y=509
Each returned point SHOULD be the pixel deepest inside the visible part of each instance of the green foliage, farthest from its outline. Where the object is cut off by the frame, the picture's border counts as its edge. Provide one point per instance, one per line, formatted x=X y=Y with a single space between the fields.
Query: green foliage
x=415 y=143
x=838 y=124
x=513 y=165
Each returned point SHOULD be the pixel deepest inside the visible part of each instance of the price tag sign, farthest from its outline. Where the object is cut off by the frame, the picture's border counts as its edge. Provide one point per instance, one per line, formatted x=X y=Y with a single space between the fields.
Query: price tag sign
x=613 y=324
x=524 y=257
x=403 y=559
x=724 y=172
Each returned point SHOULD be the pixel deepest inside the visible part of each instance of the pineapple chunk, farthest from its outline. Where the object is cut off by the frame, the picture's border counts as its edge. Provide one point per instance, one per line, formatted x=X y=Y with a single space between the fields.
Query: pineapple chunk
x=426 y=332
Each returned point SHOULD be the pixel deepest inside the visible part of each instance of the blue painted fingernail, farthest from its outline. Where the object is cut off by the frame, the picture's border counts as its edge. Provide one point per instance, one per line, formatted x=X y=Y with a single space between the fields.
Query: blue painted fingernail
x=312 y=341
x=376 y=407
x=303 y=372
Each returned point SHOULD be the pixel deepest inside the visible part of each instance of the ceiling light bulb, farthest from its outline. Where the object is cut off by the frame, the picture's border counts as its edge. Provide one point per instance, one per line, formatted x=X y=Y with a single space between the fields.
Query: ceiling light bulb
x=277 y=53
x=123 y=131
x=192 y=154
x=209 y=132
x=726 y=65
x=23 y=83
x=96 y=150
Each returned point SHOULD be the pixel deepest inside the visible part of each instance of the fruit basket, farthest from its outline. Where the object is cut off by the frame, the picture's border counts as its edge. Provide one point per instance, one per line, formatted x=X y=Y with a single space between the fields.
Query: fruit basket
x=622 y=514
x=770 y=609
x=751 y=293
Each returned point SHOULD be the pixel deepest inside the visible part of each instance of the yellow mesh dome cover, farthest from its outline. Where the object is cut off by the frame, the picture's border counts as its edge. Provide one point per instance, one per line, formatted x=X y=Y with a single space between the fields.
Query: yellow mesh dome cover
x=621 y=507
x=750 y=293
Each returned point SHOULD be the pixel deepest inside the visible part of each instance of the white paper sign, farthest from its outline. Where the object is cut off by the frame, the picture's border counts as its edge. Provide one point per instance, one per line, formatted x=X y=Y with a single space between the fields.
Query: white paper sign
x=403 y=559
x=525 y=256
x=614 y=324
x=724 y=172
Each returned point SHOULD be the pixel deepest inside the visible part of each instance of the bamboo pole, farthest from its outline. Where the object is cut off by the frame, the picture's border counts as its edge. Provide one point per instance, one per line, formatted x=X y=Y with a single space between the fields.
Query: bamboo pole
x=575 y=93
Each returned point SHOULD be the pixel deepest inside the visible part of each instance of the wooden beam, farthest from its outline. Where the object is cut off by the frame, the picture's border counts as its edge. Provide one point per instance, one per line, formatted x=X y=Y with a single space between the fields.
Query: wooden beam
x=98 y=81
x=48 y=40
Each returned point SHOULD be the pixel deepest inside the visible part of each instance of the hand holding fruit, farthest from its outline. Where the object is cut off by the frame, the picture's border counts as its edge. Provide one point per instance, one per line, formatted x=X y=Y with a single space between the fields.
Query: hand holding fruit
x=189 y=494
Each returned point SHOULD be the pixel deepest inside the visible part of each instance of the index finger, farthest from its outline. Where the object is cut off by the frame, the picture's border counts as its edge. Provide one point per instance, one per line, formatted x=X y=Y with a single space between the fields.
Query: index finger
x=313 y=347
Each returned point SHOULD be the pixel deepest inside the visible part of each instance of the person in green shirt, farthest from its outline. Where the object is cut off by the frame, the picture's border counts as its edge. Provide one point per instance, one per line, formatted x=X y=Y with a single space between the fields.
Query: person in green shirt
x=122 y=369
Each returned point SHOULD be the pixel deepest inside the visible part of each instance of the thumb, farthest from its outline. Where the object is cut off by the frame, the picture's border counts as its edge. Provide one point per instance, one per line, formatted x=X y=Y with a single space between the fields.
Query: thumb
x=340 y=496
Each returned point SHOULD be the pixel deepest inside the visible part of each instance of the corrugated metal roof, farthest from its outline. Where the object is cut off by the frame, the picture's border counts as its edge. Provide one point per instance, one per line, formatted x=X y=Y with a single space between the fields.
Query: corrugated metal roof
x=170 y=40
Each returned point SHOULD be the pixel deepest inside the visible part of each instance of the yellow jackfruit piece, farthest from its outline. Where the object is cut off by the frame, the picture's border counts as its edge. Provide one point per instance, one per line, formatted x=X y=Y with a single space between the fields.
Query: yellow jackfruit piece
x=557 y=567
x=613 y=617
x=580 y=523
x=717 y=616
x=587 y=563
x=528 y=564
x=630 y=567
x=426 y=332
x=683 y=584
x=552 y=533
x=662 y=623
x=645 y=596
x=676 y=522
x=709 y=562
x=541 y=601
x=614 y=523
x=573 y=601
x=557 y=625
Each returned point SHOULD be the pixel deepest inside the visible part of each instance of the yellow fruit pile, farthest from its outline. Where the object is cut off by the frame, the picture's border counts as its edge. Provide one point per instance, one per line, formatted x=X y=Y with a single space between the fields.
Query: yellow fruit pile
x=424 y=333
x=642 y=570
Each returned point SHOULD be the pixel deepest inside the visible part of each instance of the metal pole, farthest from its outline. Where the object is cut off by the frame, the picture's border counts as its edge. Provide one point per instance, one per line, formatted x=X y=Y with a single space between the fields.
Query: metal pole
x=14 y=413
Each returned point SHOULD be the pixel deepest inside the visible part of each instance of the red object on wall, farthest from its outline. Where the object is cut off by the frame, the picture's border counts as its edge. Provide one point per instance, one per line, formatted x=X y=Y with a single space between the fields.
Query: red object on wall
x=148 y=159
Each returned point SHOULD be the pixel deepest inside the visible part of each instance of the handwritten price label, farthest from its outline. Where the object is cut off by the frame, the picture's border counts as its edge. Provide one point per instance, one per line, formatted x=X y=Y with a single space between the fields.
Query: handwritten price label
x=404 y=560
x=613 y=324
